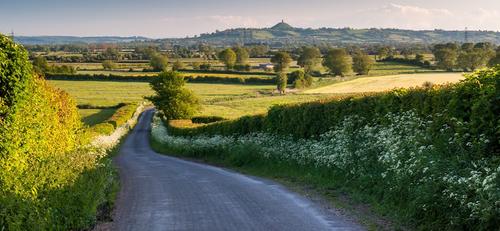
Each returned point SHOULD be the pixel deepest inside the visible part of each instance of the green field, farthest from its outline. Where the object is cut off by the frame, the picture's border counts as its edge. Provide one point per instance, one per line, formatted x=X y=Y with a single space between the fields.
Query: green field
x=92 y=117
x=392 y=68
x=232 y=101
x=226 y=100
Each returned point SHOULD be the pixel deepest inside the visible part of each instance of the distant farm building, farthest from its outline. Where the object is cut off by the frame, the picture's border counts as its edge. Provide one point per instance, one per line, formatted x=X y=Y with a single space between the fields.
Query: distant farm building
x=266 y=66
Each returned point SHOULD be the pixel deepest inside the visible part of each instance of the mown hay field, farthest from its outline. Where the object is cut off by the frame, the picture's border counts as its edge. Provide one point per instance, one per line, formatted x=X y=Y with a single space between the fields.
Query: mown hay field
x=384 y=83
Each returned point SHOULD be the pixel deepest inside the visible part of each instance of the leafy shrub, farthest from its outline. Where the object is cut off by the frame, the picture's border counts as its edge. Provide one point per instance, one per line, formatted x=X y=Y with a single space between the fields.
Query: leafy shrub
x=50 y=178
x=300 y=79
x=120 y=117
x=206 y=119
x=242 y=67
x=416 y=61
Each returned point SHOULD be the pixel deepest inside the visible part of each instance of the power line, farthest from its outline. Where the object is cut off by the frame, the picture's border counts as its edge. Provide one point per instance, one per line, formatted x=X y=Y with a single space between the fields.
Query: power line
x=466 y=35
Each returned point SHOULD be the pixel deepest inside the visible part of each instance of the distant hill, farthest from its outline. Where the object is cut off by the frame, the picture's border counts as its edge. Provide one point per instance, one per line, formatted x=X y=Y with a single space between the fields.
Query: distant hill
x=42 y=40
x=283 y=34
x=286 y=34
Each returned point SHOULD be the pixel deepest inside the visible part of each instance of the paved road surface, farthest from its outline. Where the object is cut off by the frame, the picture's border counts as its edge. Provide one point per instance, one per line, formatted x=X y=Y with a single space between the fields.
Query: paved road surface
x=165 y=193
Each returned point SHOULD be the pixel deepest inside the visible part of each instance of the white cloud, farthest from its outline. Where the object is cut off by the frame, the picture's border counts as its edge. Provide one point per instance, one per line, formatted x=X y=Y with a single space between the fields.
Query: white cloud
x=395 y=15
x=415 y=10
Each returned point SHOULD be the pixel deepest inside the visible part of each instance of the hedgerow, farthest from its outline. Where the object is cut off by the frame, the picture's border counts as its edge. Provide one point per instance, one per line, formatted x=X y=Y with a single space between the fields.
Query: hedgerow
x=396 y=164
x=50 y=177
x=191 y=79
x=474 y=100
x=120 y=117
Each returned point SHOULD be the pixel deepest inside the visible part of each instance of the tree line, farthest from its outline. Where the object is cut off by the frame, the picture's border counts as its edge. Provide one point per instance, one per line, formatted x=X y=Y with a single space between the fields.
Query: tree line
x=466 y=57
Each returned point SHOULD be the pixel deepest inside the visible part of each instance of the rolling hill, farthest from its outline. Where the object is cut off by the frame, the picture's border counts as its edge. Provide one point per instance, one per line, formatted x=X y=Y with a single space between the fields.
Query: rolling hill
x=55 y=40
x=287 y=34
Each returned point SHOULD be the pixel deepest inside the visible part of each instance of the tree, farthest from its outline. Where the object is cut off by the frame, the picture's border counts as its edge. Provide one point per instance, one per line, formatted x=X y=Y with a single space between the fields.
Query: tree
x=112 y=54
x=40 y=64
x=495 y=60
x=300 y=79
x=228 y=57
x=384 y=52
x=242 y=55
x=469 y=59
x=406 y=53
x=171 y=98
x=159 y=62
x=361 y=63
x=205 y=50
x=178 y=65
x=281 y=82
x=419 y=58
x=487 y=52
x=258 y=51
x=108 y=65
x=281 y=61
x=196 y=65
x=446 y=55
x=473 y=56
x=337 y=61
x=309 y=58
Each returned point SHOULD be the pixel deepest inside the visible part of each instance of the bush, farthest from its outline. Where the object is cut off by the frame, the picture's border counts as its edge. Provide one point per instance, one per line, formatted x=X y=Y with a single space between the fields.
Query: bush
x=206 y=119
x=300 y=80
x=417 y=62
x=242 y=67
x=50 y=178
x=120 y=117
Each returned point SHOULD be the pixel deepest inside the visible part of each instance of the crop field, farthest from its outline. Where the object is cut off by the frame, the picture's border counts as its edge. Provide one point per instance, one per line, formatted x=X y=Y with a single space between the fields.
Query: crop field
x=384 y=83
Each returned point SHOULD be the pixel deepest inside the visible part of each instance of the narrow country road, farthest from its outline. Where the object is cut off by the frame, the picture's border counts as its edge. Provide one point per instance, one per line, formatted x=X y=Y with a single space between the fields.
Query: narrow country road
x=165 y=193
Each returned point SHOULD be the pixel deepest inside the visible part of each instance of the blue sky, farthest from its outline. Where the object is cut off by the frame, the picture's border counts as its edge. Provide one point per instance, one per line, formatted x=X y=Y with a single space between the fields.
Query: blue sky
x=168 y=18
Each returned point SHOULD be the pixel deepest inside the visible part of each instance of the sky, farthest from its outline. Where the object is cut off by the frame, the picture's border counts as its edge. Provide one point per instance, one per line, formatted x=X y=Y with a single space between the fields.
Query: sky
x=181 y=18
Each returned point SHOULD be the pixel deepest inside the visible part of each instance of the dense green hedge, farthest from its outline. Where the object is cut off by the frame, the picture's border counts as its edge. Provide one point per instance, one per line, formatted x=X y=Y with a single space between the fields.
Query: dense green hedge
x=50 y=178
x=191 y=79
x=226 y=72
x=206 y=119
x=120 y=117
x=97 y=77
x=475 y=100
